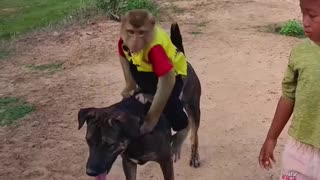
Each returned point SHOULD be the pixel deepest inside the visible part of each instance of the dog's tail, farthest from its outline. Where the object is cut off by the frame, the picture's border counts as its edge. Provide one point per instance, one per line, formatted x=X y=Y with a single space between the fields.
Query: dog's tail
x=176 y=37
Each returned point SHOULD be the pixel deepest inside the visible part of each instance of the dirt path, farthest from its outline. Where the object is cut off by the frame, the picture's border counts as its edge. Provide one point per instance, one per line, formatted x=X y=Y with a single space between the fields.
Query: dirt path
x=240 y=69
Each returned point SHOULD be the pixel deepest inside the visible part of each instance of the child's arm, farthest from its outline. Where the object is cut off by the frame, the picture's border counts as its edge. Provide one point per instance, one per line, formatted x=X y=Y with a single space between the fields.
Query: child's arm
x=282 y=115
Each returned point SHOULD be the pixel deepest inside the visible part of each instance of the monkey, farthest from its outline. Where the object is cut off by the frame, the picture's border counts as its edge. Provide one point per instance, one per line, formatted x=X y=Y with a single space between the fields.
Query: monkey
x=152 y=64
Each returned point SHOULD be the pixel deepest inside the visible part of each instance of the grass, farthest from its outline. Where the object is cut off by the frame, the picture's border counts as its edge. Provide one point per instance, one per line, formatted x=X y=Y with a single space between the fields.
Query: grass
x=21 y=16
x=203 y=23
x=4 y=54
x=292 y=28
x=177 y=9
x=198 y=27
x=12 y=109
x=196 y=32
x=116 y=8
x=51 y=67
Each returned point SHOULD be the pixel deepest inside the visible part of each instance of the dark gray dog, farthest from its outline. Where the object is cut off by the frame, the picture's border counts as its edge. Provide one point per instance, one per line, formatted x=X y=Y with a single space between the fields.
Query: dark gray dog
x=114 y=131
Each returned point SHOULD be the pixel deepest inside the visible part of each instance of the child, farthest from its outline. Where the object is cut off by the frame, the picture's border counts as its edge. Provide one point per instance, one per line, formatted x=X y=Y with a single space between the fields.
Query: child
x=301 y=97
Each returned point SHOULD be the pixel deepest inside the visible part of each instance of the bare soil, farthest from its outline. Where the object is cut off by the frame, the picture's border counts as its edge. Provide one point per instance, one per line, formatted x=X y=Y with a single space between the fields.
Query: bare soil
x=240 y=67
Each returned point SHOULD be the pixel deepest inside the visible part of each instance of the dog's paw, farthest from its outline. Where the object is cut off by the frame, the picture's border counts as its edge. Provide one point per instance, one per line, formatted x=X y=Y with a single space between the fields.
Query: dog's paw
x=176 y=149
x=176 y=152
x=195 y=162
x=194 y=159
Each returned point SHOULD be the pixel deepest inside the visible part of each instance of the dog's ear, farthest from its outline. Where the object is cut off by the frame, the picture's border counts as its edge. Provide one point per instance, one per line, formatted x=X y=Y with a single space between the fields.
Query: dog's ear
x=84 y=115
x=132 y=125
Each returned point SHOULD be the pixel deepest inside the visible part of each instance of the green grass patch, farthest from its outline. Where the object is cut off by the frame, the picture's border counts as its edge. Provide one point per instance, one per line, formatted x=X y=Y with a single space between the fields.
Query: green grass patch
x=12 y=109
x=196 y=32
x=116 y=8
x=4 y=54
x=292 y=28
x=203 y=23
x=51 y=67
x=20 y=16
x=177 y=9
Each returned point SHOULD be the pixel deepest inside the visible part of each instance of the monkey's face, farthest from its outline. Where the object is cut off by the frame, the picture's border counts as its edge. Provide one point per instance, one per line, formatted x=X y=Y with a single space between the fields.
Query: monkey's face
x=137 y=29
x=137 y=38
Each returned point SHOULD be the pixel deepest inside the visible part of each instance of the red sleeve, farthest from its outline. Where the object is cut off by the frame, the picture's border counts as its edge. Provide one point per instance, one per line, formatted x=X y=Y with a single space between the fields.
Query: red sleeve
x=120 y=50
x=159 y=60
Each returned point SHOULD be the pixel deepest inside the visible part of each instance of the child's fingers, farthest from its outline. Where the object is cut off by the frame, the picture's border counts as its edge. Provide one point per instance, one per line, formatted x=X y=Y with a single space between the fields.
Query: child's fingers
x=264 y=160
x=261 y=159
x=272 y=157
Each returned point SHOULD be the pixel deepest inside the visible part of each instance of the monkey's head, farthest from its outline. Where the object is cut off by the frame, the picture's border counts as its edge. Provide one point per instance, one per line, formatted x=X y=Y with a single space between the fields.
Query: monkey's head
x=137 y=29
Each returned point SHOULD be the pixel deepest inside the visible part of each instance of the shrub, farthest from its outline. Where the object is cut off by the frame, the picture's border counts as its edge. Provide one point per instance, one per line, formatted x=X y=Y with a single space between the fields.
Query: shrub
x=115 y=8
x=292 y=28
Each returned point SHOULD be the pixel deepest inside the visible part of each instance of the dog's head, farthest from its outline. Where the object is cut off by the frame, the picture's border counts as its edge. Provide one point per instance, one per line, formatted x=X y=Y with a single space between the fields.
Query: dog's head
x=108 y=134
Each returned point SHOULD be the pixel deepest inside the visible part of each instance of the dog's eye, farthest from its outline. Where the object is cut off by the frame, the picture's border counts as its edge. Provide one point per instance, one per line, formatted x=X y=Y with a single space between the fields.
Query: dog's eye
x=107 y=141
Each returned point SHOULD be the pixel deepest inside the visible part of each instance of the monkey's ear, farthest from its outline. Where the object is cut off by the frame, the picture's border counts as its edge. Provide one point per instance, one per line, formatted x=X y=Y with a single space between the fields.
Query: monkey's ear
x=122 y=18
x=84 y=115
x=152 y=20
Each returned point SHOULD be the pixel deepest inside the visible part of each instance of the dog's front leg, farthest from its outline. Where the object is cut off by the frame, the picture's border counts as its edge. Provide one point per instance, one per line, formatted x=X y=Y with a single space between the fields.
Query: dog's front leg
x=167 y=168
x=130 y=169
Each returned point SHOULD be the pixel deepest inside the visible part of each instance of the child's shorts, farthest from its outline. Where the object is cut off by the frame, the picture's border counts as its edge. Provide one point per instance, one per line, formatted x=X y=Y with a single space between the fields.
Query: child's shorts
x=300 y=161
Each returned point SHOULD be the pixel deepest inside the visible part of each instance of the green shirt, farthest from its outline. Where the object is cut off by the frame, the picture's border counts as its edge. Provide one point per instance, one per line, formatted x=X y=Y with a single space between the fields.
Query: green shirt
x=301 y=84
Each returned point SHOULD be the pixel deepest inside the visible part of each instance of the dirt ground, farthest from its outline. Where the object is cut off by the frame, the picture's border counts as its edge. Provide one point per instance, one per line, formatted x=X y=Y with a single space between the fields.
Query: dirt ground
x=240 y=68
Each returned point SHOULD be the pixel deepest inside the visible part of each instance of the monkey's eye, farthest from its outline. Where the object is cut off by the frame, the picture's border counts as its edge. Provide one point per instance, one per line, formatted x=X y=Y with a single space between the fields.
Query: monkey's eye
x=141 y=33
x=130 y=32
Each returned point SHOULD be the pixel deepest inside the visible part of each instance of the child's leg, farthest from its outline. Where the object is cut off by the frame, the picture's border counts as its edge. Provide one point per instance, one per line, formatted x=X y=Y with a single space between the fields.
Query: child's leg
x=174 y=109
x=317 y=164
x=298 y=161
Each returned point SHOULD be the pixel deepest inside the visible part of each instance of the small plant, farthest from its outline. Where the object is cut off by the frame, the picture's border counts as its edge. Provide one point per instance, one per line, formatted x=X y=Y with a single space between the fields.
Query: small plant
x=196 y=32
x=143 y=4
x=4 y=54
x=115 y=8
x=177 y=9
x=112 y=7
x=203 y=23
x=292 y=28
x=46 y=67
x=12 y=109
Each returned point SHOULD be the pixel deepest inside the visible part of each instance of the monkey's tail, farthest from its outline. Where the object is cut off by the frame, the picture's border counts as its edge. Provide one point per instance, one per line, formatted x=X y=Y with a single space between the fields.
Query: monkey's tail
x=176 y=37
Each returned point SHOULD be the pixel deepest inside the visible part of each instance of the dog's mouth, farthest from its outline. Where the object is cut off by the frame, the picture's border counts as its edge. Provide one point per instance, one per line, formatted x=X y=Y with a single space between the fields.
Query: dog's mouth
x=102 y=177
x=102 y=173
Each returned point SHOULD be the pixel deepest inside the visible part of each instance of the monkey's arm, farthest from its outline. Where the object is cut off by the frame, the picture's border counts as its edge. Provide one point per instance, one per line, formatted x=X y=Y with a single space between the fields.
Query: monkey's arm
x=130 y=84
x=164 y=69
x=164 y=89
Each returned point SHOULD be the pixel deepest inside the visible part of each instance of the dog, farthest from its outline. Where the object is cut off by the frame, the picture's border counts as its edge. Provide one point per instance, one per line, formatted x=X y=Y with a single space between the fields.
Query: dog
x=114 y=130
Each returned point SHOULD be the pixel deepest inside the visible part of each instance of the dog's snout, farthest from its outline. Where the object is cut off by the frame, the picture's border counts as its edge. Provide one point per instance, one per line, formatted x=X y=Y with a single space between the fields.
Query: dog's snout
x=92 y=172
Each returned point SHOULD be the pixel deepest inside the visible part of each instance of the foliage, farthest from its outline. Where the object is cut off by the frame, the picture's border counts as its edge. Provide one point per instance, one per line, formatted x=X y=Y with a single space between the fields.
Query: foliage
x=12 y=109
x=116 y=8
x=292 y=28
x=20 y=16
x=46 y=67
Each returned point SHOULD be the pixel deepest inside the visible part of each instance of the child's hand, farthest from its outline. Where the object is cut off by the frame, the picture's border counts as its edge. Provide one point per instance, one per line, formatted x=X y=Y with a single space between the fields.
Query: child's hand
x=266 y=154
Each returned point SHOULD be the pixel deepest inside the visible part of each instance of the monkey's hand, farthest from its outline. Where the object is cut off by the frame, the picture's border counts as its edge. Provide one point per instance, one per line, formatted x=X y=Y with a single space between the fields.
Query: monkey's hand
x=127 y=91
x=129 y=81
x=148 y=125
x=164 y=89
